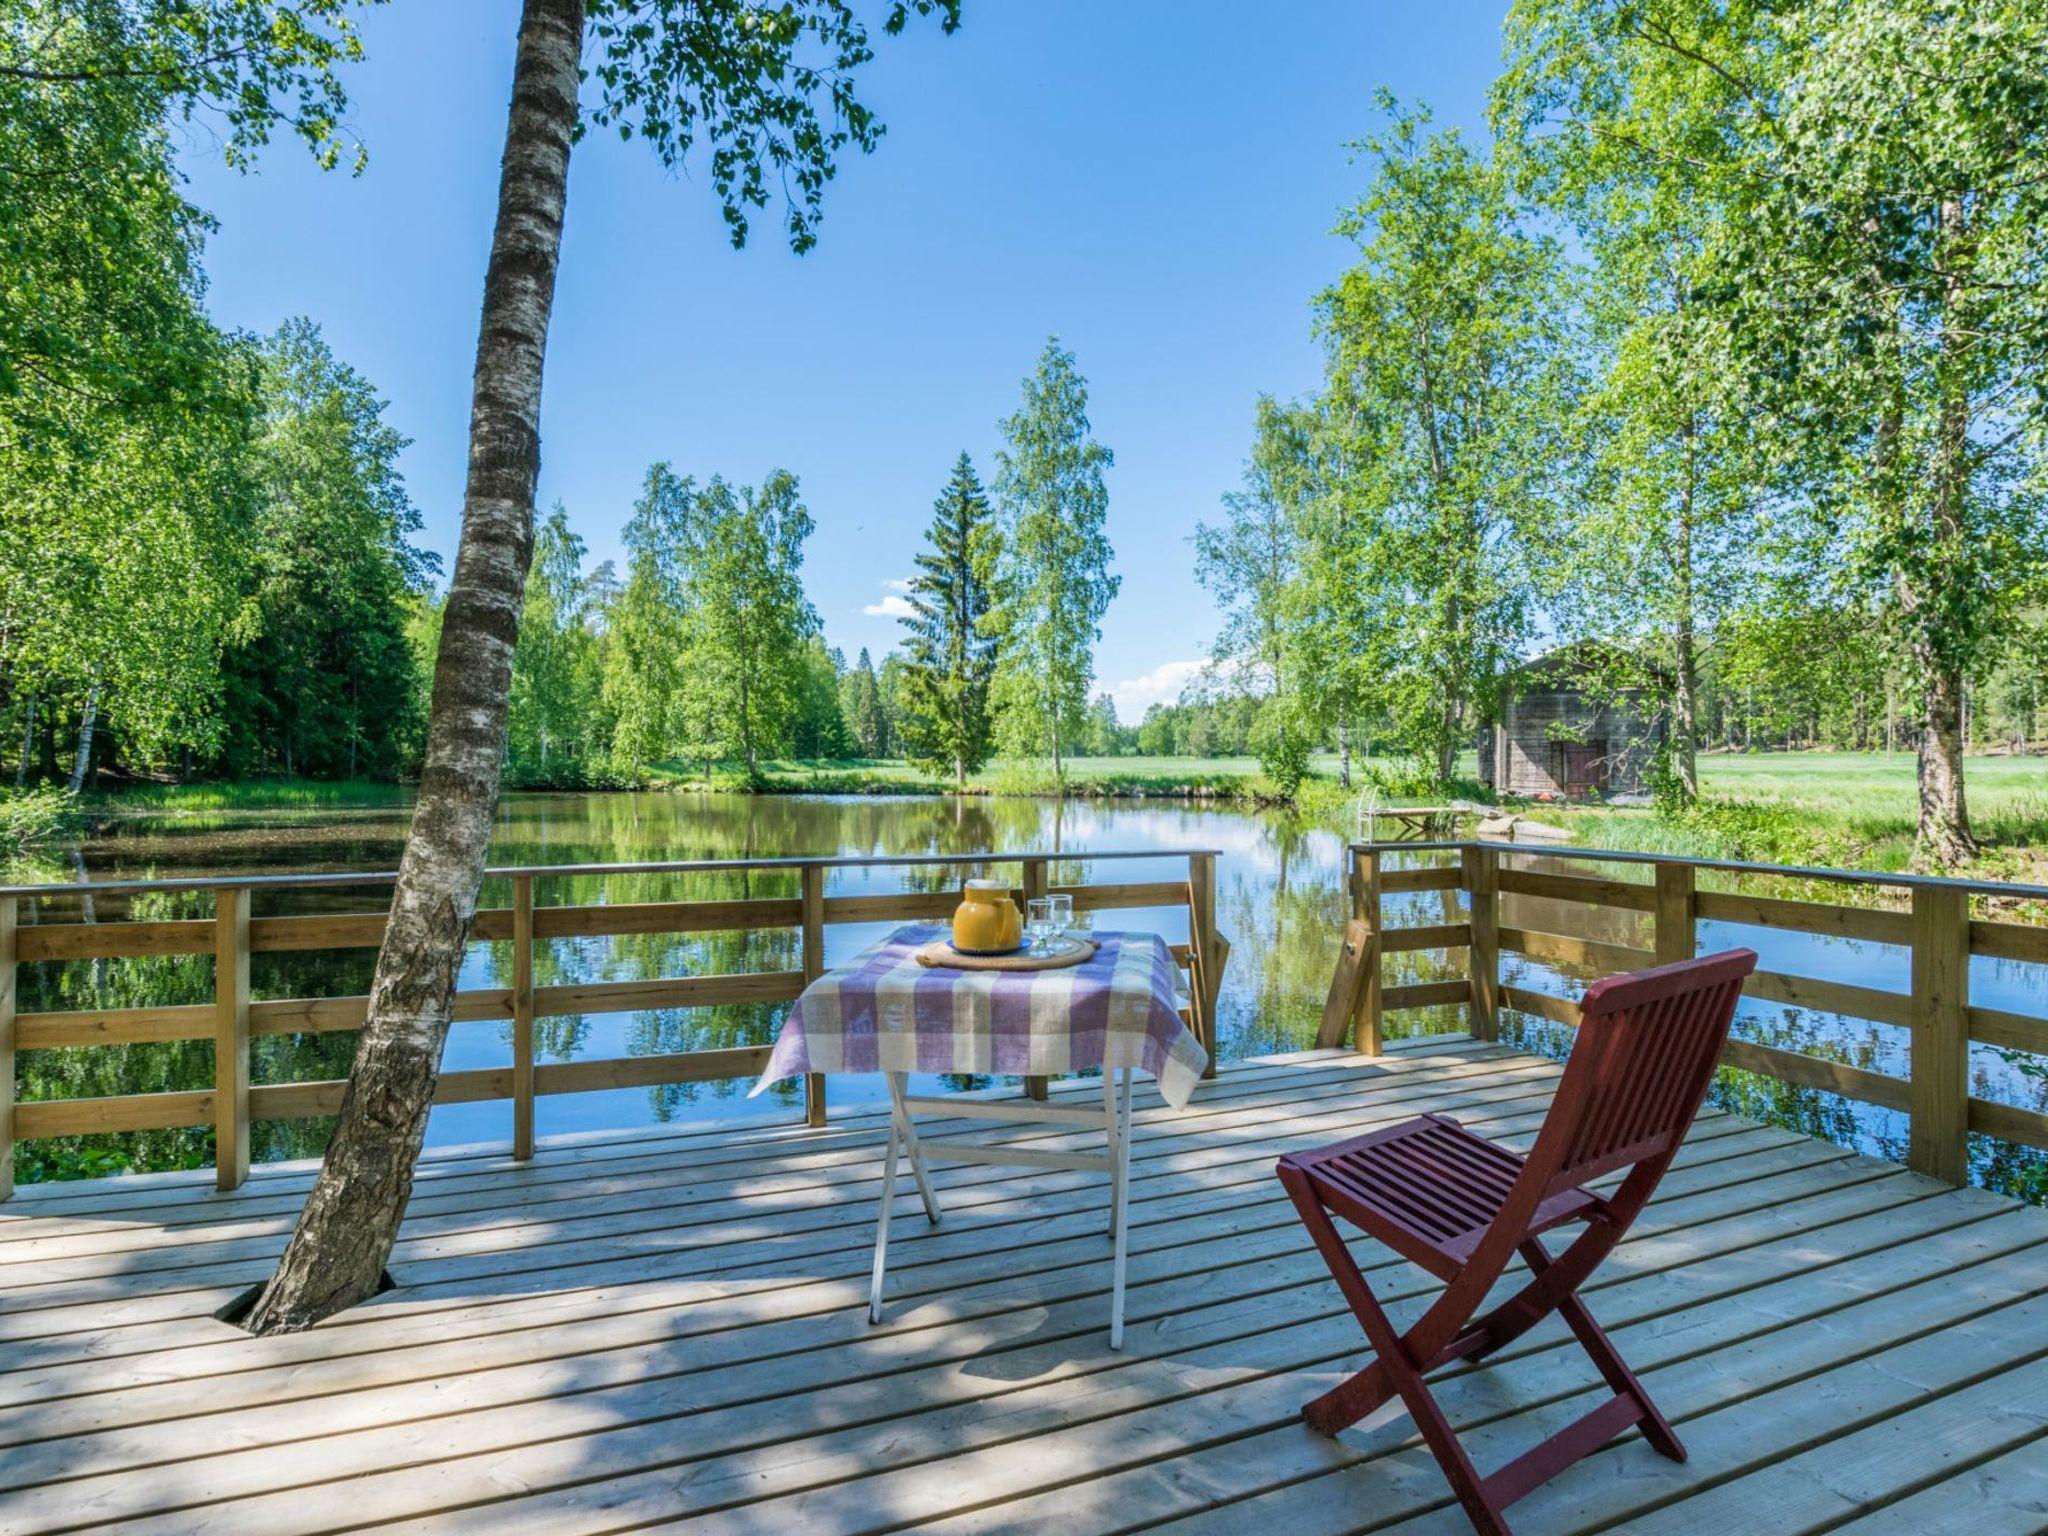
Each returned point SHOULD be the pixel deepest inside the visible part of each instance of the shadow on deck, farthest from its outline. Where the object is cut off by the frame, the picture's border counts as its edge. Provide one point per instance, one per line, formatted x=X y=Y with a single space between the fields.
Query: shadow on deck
x=667 y=1329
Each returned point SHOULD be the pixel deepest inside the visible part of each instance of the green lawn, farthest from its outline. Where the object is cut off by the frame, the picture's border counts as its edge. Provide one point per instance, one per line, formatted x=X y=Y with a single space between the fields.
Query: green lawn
x=1871 y=783
x=1836 y=809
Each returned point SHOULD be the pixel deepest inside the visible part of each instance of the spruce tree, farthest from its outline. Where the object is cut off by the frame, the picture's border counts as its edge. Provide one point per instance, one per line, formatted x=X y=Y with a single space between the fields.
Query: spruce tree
x=951 y=653
x=863 y=708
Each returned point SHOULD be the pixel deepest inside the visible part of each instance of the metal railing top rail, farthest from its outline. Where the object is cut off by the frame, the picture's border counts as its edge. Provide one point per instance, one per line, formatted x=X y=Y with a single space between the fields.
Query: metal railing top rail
x=317 y=881
x=1726 y=866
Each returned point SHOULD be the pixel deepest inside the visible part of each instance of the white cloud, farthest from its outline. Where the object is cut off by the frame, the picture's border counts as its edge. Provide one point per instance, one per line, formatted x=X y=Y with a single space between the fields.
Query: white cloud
x=890 y=607
x=897 y=584
x=1162 y=685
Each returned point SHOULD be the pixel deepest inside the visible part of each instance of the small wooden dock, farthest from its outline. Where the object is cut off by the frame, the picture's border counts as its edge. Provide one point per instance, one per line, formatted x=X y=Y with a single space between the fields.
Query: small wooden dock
x=664 y=1330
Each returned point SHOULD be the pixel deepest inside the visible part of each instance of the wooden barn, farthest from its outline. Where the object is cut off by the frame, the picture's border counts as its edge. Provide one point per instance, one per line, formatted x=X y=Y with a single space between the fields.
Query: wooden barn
x=1560 y=736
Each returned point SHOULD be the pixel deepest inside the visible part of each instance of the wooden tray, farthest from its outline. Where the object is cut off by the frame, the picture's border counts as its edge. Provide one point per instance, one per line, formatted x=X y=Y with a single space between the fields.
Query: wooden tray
x=942 y=956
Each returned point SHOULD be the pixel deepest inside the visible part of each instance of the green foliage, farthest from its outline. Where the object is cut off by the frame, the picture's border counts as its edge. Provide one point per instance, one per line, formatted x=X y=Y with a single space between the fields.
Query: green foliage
x=30 y=816
x=860 y=709
x=1281 y=738
x=555 y=724
x=1824 y=343
x=748 y=617
x=1402 y=778
x=1053 y=583
x=819 y=729
x=950 y=658
x=321 y=680
x=1451 y=371
x=768 y=90
x=86 y=89
x=706 y=648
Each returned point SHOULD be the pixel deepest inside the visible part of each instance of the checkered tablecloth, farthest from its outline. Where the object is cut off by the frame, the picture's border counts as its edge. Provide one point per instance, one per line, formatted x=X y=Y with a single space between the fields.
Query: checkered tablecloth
x=887 y=1013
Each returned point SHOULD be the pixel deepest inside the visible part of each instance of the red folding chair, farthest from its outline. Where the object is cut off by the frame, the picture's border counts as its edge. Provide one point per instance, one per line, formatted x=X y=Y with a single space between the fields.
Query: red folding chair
x=1462 y=1208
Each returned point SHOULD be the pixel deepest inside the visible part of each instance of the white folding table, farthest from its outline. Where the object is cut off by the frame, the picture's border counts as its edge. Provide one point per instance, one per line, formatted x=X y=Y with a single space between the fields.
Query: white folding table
x=1113 y=1119
x=890 y=1012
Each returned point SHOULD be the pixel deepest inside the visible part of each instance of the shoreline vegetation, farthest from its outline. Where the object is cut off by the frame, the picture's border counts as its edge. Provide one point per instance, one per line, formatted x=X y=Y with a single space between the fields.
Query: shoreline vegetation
x=1835 y=809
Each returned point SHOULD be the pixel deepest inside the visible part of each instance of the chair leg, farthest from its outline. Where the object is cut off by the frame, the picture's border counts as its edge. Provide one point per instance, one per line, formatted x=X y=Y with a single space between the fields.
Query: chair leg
x=1606 y=1358
x=1392 y=1371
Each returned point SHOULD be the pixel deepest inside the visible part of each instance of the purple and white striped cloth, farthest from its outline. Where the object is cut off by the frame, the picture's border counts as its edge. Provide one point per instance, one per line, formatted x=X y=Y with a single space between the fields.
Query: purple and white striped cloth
x=887 y=1013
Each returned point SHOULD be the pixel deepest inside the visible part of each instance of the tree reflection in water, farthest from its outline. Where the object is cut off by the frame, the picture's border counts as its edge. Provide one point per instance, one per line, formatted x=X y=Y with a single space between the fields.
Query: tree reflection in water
x=1280 y=899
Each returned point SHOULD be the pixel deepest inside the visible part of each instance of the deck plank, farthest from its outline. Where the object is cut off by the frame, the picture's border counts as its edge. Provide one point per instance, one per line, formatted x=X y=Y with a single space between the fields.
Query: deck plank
x=642 y=1385
x=666 y=1331
x=99 y=1326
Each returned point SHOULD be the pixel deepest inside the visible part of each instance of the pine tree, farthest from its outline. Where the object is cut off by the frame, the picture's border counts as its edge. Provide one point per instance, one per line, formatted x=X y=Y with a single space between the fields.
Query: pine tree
x=952 y=651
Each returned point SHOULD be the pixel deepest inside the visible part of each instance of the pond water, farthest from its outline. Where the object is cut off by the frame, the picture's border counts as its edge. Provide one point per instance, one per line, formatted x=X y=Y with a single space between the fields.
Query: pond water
x=1279 y=900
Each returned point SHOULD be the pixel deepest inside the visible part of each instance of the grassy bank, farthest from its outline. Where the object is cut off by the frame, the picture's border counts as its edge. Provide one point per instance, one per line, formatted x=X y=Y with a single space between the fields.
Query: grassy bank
x=1840 y=810
x=251 y=795
x=1851 y=810
x=1225 y=778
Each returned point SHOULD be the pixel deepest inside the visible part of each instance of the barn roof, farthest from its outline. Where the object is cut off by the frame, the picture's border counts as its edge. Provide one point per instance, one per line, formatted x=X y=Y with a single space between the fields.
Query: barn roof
x=1566 y=665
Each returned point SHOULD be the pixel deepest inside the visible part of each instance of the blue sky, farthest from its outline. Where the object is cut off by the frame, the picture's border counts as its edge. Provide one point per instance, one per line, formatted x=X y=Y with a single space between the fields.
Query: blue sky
x=1152 y=181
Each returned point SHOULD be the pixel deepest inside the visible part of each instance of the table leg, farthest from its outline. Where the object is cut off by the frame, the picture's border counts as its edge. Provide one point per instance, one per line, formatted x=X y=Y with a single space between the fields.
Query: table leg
x=1116 y=1104
x=899 y=1114
x=882 y=1226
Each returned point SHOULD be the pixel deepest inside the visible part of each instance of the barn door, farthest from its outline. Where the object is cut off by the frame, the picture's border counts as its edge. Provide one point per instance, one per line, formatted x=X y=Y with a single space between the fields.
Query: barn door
x=1583 y=771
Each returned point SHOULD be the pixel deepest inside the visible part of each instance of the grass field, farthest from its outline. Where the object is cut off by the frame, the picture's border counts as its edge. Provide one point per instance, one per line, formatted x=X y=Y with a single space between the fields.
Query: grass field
x=1837 y=809
x=1871 y=783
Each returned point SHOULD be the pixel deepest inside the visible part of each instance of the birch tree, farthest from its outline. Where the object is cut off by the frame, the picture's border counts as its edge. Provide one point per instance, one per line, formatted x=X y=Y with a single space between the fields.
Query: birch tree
x=1666 y=538
x=1253 y=564
x=1054 y=583
x=554 y=668
x=745 y=614
x=1450 y=370
x=1884 y=168
x=769 y=94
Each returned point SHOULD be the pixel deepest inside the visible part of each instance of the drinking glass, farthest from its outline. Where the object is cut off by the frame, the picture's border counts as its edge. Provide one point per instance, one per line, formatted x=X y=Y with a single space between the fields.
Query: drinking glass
x=1062 y=915
x=1041 y=922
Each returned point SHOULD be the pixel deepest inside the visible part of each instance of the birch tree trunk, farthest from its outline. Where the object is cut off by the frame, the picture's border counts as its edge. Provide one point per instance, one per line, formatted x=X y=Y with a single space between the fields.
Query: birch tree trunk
x=337 y=1252
x=28 y=745
x=1944 y=838
x=87 y=720
x=1685 y=730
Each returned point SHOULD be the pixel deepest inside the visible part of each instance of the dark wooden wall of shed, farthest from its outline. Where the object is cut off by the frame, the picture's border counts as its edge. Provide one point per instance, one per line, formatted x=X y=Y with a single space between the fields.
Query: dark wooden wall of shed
x=1529 y=755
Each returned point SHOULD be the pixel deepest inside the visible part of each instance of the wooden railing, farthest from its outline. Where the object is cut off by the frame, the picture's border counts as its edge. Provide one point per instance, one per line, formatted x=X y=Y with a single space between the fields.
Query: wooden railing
x=1930 y=918
x=231 y=1020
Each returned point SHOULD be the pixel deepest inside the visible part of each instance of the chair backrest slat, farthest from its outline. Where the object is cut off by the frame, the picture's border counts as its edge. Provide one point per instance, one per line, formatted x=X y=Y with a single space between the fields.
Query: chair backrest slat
x=1647 y=1046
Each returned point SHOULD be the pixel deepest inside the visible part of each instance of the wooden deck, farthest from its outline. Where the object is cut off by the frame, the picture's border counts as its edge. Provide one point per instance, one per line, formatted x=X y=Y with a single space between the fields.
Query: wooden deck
x=665 y=1330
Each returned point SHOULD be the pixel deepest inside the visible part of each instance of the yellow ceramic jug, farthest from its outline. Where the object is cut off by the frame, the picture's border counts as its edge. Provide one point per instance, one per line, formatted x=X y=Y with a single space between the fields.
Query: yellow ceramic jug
x=987 y=921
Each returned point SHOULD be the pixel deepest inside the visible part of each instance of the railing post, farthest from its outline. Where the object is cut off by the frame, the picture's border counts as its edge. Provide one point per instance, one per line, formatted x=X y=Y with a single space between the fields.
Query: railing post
x=231 y=1037
x=1672 y=924
x=1034 y=883
x=7 y=1007
x=522 y=1016
x=1202 y=939
x=814 y=966
x=1480 y=869
x=1365 y=896
x=1938 y=1143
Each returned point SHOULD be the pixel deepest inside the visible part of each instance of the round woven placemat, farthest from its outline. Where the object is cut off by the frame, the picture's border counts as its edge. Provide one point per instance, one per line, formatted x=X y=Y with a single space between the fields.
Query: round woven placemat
x=941 y=955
